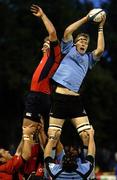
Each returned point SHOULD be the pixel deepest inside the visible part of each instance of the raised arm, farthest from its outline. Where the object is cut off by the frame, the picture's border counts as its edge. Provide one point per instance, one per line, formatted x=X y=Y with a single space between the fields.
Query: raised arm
x=100 y=41
x=73 y=27
x=59 y=148
x=37 y=11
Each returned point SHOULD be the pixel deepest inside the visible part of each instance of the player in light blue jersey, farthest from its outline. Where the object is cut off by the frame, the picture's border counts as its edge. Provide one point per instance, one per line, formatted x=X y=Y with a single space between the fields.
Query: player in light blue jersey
x=66 y=103
x=71 y=166
x=69 y=76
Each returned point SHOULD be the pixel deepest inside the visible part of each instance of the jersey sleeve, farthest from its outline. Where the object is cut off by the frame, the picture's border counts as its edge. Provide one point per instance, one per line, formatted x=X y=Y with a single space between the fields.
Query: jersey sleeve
x=90 y=159
x=52 y=167
x=86 y=167
x=55 y=51
x=92 y=60
x=54 y=43
x=66 y=46
x=48 y=160
x=12 y=165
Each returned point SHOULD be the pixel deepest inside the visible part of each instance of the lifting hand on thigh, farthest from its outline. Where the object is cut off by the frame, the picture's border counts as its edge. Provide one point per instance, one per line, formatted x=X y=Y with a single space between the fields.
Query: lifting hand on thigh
x=54 y=126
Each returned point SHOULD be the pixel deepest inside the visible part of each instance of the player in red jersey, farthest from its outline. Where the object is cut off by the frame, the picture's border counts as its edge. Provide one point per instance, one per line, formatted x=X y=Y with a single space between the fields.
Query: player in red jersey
x=38 y=100
x=10 y=165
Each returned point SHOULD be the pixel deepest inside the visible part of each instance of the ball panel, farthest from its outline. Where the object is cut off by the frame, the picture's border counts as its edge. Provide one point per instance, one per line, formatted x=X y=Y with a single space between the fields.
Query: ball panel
x=96 y=14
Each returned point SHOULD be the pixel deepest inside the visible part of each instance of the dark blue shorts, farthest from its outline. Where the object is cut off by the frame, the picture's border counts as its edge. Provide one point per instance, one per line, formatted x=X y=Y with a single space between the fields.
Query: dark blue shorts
x=37 y=104
x=66 y=106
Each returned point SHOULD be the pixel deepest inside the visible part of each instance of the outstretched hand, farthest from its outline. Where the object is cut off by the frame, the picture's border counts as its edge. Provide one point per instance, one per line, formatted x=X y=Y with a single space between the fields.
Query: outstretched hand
x=103 y=20
x=36 y=10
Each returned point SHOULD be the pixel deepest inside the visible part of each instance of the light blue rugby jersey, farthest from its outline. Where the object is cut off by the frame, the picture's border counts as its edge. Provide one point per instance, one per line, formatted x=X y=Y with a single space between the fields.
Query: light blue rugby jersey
x=73 y=68
x=58 y=160
x=83 y=168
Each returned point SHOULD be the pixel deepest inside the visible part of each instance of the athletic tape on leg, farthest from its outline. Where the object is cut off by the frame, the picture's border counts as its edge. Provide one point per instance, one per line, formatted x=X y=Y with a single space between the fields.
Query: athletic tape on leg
x=83 y=127
x=56 y=127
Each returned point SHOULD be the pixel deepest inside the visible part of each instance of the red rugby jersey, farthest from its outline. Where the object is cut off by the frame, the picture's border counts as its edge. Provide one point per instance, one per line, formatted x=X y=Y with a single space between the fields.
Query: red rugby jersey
x=30 y=164
x=8 y=169
x=41 y=80
x=40 y=170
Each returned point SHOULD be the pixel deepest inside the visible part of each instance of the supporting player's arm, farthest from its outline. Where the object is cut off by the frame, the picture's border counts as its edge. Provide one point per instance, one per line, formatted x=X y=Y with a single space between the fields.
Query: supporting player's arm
x=26 y=147
x=91 y=145
x=52 y=142
x=42 y=135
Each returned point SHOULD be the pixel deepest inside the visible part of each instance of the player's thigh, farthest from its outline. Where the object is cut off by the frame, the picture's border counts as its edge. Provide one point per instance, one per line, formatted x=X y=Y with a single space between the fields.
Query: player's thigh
x=80 y=121
x=55 y=125
x=82 y=124
x=27 y=122
x=56 y=122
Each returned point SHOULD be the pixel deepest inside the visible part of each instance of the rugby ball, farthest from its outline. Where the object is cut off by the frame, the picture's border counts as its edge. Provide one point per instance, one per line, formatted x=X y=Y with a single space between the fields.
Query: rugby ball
x=96 y=15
